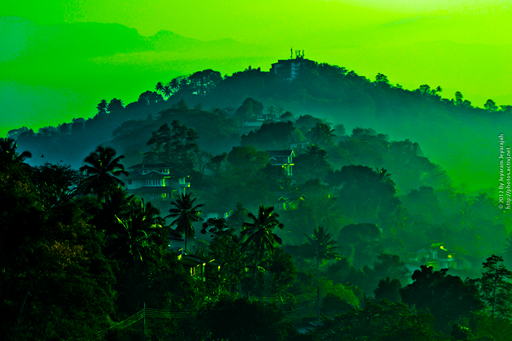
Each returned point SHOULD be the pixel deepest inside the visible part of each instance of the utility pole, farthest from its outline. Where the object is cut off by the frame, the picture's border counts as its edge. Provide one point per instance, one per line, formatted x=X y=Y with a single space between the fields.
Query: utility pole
x=144 y=321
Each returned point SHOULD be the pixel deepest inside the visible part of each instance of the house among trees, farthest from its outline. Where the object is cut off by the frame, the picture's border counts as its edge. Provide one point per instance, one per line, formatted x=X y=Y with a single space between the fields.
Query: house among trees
x=283 y=158
x=155 y=181
x=196 y=265
x=438 y=257
x=289 y=69
x=287 y=201
x=216 y=212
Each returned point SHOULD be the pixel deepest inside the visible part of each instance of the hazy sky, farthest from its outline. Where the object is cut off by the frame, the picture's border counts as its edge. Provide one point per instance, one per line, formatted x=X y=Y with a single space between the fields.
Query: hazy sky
x=459 y=45
x=245 y=19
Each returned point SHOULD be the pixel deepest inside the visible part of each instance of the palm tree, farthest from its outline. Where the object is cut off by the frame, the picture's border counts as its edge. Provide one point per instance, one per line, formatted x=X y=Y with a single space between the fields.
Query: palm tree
x=102 y=107
x=320 y=246
x=117 y=204
x=167 y=91
x=322 y=133
x=259 y=233
x=159 y=87
x=185 y=213
x=8 y=152
x=103 y=171
x=383 y=174
x=141 y=234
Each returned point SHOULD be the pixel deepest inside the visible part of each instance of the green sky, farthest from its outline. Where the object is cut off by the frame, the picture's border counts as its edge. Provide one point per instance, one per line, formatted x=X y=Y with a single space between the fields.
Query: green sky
x=47 y=78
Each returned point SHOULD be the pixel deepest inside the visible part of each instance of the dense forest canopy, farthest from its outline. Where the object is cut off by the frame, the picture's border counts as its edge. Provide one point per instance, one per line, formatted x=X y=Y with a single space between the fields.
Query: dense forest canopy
x=299 y=200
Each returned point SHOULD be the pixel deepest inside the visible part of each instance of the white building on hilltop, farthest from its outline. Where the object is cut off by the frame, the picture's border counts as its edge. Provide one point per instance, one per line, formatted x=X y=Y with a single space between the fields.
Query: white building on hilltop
x=289 y=69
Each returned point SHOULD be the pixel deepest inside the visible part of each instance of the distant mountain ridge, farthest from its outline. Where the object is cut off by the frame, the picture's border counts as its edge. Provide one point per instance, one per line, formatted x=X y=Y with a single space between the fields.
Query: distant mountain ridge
x=22 y=39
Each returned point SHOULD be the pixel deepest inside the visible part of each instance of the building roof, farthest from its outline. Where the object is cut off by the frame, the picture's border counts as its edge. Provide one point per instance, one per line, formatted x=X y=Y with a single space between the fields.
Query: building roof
x=150 y=175
x=150 y=166
x=293 y=60
x=280 y=153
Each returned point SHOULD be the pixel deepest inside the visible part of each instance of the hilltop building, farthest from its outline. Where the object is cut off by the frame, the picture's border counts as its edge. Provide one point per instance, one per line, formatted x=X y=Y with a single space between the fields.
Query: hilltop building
x=289 y=69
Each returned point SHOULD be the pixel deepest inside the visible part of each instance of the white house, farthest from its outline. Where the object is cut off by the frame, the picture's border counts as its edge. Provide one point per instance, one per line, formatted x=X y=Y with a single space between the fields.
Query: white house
x=283 y=158
x=155 y=181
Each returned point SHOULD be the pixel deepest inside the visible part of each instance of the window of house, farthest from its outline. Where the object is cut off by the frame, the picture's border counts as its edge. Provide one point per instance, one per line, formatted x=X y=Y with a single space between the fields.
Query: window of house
x=154 y=182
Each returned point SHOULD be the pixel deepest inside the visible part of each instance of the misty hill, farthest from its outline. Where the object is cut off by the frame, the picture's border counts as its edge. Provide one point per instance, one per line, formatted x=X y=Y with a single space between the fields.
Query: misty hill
x=382 y=199
x=330 y=92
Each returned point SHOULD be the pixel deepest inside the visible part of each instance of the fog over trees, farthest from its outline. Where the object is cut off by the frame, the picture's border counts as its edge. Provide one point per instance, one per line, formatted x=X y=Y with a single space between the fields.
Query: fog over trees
x=255 y=206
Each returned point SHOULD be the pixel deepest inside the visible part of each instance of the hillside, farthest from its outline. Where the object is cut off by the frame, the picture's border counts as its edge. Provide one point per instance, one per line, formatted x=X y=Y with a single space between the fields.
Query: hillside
x=349 y=214
x=462 y=132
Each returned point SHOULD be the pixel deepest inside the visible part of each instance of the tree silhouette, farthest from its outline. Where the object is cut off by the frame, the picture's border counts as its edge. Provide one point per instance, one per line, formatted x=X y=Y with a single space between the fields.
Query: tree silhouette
x=388 y=289
x=249 y=109
x=495 y=288
x=174 y=145
x=322 y=134
x=8 y=153
x=103 y=171
x=102 y=107
x=381 y=78
x=186 y=214
x=490 y=106
x=312 y=164
x=459 y=98
x=159 y=87
x=115 y=106
x=320 y=245
x=259 y=233
x=202 y=82
x=141 y=234
x=446 y=297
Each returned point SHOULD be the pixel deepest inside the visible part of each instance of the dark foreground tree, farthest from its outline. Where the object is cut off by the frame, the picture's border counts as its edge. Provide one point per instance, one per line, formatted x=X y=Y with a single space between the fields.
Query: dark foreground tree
x=55 y=282
x=186 y=213
x=495 y=287
x=8 y=153
x=240 y=319
x=388 y=289
x=320 y=246
x=381 y=321
x=259 y=233
x=102 y=171
x=446 y=297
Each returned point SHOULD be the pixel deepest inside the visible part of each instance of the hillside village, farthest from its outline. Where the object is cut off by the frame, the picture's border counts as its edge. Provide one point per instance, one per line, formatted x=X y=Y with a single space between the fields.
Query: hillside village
x=211 y=200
